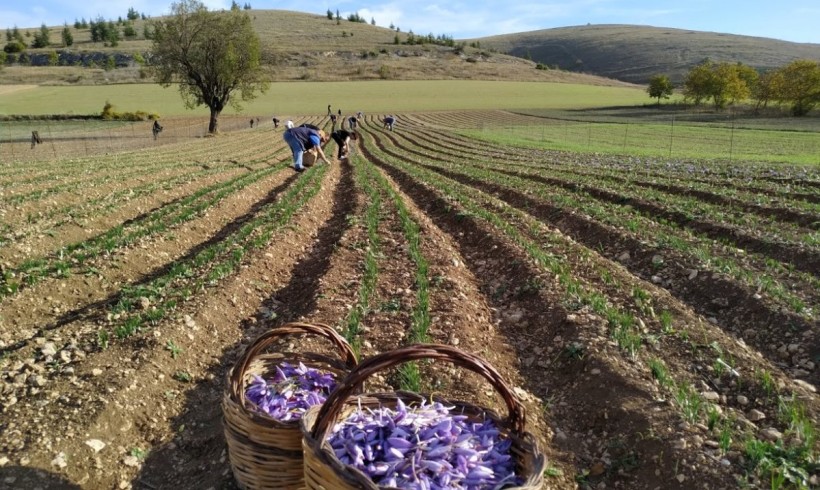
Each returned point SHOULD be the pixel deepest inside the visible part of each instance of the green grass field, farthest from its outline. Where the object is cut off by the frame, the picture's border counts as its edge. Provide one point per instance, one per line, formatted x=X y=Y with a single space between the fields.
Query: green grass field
x=788 y=141
x=663 y=140
x=313 y=97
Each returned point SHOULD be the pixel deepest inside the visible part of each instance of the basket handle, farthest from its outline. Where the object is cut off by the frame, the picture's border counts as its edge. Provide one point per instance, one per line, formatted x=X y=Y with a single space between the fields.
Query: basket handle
x=237 y=379
x=335 y=401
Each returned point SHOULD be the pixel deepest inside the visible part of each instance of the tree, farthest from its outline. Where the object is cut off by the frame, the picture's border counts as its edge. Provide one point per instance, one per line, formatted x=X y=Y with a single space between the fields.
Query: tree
x=129 y=31
x=724 y=83
x=113 y=35
x=800 y=85
x=210 y=55
x=660 y=86
x=41 y=38
x=68 y=38
x=372 y=21
x=132 y=14
x=698 y=83
x=767 y=89
x=329 y=14
x=732 y=83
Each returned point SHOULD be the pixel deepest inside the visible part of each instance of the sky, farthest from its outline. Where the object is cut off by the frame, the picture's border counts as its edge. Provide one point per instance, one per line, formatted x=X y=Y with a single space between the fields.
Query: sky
x=789 y=20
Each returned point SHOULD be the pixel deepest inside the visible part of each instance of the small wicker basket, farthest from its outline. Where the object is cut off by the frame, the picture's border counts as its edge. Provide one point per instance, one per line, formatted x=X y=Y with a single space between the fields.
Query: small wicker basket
x=264 y=452
x=323 y=470
x=309 y=157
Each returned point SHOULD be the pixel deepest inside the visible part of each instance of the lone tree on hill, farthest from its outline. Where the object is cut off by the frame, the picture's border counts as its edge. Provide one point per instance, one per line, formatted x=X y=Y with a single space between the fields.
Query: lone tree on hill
x=211 y=55
x=660 y=87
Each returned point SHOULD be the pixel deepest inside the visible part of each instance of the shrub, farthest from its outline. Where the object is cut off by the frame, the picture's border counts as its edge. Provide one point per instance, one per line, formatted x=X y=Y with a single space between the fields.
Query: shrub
x=15 y=46
x=384 y=72
x=109 y=114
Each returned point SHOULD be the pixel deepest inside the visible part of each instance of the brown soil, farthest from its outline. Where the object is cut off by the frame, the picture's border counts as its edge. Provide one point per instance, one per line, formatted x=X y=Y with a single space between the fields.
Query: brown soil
x=153 y=398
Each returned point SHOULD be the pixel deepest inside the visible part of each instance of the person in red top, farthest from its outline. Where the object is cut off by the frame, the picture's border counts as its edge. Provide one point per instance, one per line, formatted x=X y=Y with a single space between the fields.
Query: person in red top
x=302 y=139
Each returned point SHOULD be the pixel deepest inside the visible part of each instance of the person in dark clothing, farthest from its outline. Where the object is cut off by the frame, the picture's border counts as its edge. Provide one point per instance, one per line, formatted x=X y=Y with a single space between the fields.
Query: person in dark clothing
x=329 y=112
x=310 y=126
x=251 y=123
x=342 y=138
x=303 y=139
x=275 y=122
x=352 y=122
x=156 y=129
x=388 y=122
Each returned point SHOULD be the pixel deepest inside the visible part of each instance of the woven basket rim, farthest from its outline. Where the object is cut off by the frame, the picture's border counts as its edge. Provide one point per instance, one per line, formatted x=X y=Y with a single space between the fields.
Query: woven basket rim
x=317 y=421
x=236 y=378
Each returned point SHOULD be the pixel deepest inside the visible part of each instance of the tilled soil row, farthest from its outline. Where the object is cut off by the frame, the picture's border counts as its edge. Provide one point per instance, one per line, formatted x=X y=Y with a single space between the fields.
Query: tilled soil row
x=732 y=177
x=127 y=395
x=65 y=193
x=539 y=328
x=781 y=213
x=743 y=312
x=743 y=238
x=46 y=236
x=571 y=186
x=733 y=395
x=76 y=303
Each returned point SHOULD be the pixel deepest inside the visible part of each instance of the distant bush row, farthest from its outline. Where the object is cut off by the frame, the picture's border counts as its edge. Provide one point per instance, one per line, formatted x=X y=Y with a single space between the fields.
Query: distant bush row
x=796 y=84
x=108 y=114
x=68 y=58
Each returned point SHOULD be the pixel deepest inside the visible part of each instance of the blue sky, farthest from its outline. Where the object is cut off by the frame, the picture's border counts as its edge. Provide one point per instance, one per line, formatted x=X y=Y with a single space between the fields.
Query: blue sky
x=790 y=20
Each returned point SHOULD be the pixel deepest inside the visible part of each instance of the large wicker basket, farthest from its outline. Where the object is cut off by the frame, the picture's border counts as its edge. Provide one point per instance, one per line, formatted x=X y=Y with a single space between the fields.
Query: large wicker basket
x=264 y=452
x=323 y=470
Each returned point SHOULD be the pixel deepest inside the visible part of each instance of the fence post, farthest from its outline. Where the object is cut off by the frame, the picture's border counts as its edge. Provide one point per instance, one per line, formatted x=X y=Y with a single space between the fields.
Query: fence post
x=671 y=136
x=85 y=136
x=11 y=145
x=732 y=140
x=51 y=138
x=626 y=134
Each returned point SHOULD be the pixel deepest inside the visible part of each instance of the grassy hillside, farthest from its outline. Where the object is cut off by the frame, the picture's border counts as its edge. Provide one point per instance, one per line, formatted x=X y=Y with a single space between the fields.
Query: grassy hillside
x=308 y=47
x=635 y=53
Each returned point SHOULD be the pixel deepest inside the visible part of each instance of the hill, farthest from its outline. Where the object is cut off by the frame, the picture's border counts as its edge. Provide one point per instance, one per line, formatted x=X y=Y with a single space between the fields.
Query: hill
x=301 y=46
x=635 y=53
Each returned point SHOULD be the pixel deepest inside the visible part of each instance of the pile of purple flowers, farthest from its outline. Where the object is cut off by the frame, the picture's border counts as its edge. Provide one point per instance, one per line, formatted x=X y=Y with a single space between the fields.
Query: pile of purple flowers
x=425 y=447
x=291 y=392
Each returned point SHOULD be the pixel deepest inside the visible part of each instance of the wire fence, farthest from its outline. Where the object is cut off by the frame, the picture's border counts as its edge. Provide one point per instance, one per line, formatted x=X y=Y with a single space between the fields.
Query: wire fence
x=35 y=140
x=671 y=140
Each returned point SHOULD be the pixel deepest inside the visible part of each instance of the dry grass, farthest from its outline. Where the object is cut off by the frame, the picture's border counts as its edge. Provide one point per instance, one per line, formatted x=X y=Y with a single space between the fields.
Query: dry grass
x=635 y=53
x=300 y=46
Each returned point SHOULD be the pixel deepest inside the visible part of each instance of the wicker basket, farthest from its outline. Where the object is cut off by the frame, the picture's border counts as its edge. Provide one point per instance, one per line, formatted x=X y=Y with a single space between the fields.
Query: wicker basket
x=264 y=452
x=323 y=470
x=309 y=157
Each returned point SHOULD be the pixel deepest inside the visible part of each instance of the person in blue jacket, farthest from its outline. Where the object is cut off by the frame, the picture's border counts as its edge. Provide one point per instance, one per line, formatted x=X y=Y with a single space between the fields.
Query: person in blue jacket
x=303 y=139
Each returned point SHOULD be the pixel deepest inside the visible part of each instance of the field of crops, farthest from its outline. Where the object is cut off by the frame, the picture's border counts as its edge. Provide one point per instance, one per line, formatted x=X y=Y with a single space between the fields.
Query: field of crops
x=657 y=317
